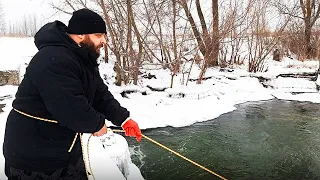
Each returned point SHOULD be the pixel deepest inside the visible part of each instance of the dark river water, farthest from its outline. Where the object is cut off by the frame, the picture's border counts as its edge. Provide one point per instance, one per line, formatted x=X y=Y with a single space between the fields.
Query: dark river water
x=260 y=140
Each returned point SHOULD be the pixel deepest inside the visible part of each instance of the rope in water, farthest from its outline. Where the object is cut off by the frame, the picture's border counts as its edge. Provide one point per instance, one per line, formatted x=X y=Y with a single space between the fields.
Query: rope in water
x=178 y=154
x=114 y=130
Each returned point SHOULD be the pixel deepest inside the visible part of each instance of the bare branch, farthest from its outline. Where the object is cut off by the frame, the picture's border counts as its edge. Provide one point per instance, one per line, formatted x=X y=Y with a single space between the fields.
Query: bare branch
x=303 y=8
x=84 y=4
x=202 y=20
x=70 y=4
x=316 y=15
x=293 y=15
x=195 y=30
x=60 y=9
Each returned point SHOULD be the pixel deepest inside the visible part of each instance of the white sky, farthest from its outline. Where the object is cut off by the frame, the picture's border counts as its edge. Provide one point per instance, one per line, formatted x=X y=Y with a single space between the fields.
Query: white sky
x=15 y=10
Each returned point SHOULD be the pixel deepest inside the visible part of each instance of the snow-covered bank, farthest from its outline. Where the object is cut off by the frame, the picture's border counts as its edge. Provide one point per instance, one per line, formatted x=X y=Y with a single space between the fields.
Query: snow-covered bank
x=185 y=105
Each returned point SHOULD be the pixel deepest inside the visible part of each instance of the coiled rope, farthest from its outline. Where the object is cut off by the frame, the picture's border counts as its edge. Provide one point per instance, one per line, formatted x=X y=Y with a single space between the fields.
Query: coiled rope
x=119 y=131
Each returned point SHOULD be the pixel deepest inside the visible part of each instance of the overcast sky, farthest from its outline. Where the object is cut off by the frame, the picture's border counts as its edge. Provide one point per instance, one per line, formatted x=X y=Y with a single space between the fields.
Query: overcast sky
x=15 y=10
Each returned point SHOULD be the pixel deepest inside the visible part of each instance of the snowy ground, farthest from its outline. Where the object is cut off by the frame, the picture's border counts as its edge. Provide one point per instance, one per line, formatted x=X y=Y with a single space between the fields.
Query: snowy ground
x=209 y=100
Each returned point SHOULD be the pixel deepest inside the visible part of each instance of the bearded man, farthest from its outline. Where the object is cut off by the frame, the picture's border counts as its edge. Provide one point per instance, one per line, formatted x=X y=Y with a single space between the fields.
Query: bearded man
x=60 y=97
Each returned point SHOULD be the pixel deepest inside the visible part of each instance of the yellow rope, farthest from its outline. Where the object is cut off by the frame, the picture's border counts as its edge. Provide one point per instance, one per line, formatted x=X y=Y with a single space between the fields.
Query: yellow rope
x=88 y=154
x=48 y=120
x=84 y=160
x=157 y=143
x=178 y=154
x=73 y=142
x=34 y=117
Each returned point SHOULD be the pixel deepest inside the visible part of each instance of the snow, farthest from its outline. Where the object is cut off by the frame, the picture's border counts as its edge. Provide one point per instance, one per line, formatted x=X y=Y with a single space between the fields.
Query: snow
x=11 y=58
x=108 y=160
x=178 y=106
x=294 y=85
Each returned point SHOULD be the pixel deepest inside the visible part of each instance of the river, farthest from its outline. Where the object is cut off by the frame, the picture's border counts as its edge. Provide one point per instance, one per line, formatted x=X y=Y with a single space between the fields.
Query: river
x=259 y=140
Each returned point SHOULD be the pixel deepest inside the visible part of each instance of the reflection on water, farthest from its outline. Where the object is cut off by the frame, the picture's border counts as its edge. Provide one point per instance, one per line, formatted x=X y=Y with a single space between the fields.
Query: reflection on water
x=261 y=140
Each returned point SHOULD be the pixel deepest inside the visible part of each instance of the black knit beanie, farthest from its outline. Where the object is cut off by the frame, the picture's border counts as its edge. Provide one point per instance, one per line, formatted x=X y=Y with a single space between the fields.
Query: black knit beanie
x=85 y=21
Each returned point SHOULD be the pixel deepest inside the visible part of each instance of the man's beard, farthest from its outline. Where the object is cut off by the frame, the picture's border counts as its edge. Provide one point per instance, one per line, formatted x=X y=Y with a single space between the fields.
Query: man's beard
x=92 y=50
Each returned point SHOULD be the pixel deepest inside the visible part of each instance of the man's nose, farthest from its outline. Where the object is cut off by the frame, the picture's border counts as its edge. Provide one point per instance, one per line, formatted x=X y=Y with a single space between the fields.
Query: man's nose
x=103 y=40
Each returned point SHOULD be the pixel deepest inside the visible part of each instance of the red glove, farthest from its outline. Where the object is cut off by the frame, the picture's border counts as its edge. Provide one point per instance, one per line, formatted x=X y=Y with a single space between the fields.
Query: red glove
x=132 y=129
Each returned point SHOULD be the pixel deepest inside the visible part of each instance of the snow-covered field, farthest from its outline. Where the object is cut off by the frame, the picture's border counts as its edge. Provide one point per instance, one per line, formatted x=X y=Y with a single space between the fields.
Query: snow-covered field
x=203 y=102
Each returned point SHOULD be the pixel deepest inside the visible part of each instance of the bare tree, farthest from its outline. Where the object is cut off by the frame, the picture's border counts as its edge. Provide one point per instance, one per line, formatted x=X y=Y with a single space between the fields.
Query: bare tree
x=232 y=47
x=115 y=33
x=25 y=26
x=122 y=26
x=212 y=43
x=260 y=40
x=155 y=34
x=12 y=29
x=137 y=56
x=208 y=44
x=2 y=20
x=167 y=34
x=174 y=47
x=33 y=21
x=306 y=10
x=131 y=45
x=29 y=25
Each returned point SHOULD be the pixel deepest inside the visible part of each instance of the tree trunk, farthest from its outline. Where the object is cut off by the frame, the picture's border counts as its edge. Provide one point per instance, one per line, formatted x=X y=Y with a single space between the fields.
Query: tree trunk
x=140 y=45
x=208 y=56
x=175 y=63
x=129 y=44
x=307 y=40
x=215 y=35
x=306 y=10
x=120 y=75
x=118 y=72
x=202 y=72
x=106 y=54
x=196 y=32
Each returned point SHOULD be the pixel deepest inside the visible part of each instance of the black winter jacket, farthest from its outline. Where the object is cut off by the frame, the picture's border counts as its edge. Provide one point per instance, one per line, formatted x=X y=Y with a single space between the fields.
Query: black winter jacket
x=61 y=84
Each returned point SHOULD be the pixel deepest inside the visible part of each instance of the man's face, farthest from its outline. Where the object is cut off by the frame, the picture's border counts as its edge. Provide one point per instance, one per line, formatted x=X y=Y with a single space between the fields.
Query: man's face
x=94 y=42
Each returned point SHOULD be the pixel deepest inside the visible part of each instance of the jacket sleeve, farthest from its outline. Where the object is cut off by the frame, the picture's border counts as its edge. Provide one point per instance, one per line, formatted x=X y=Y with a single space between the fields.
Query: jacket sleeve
x=109 y=106
x=61 y=89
